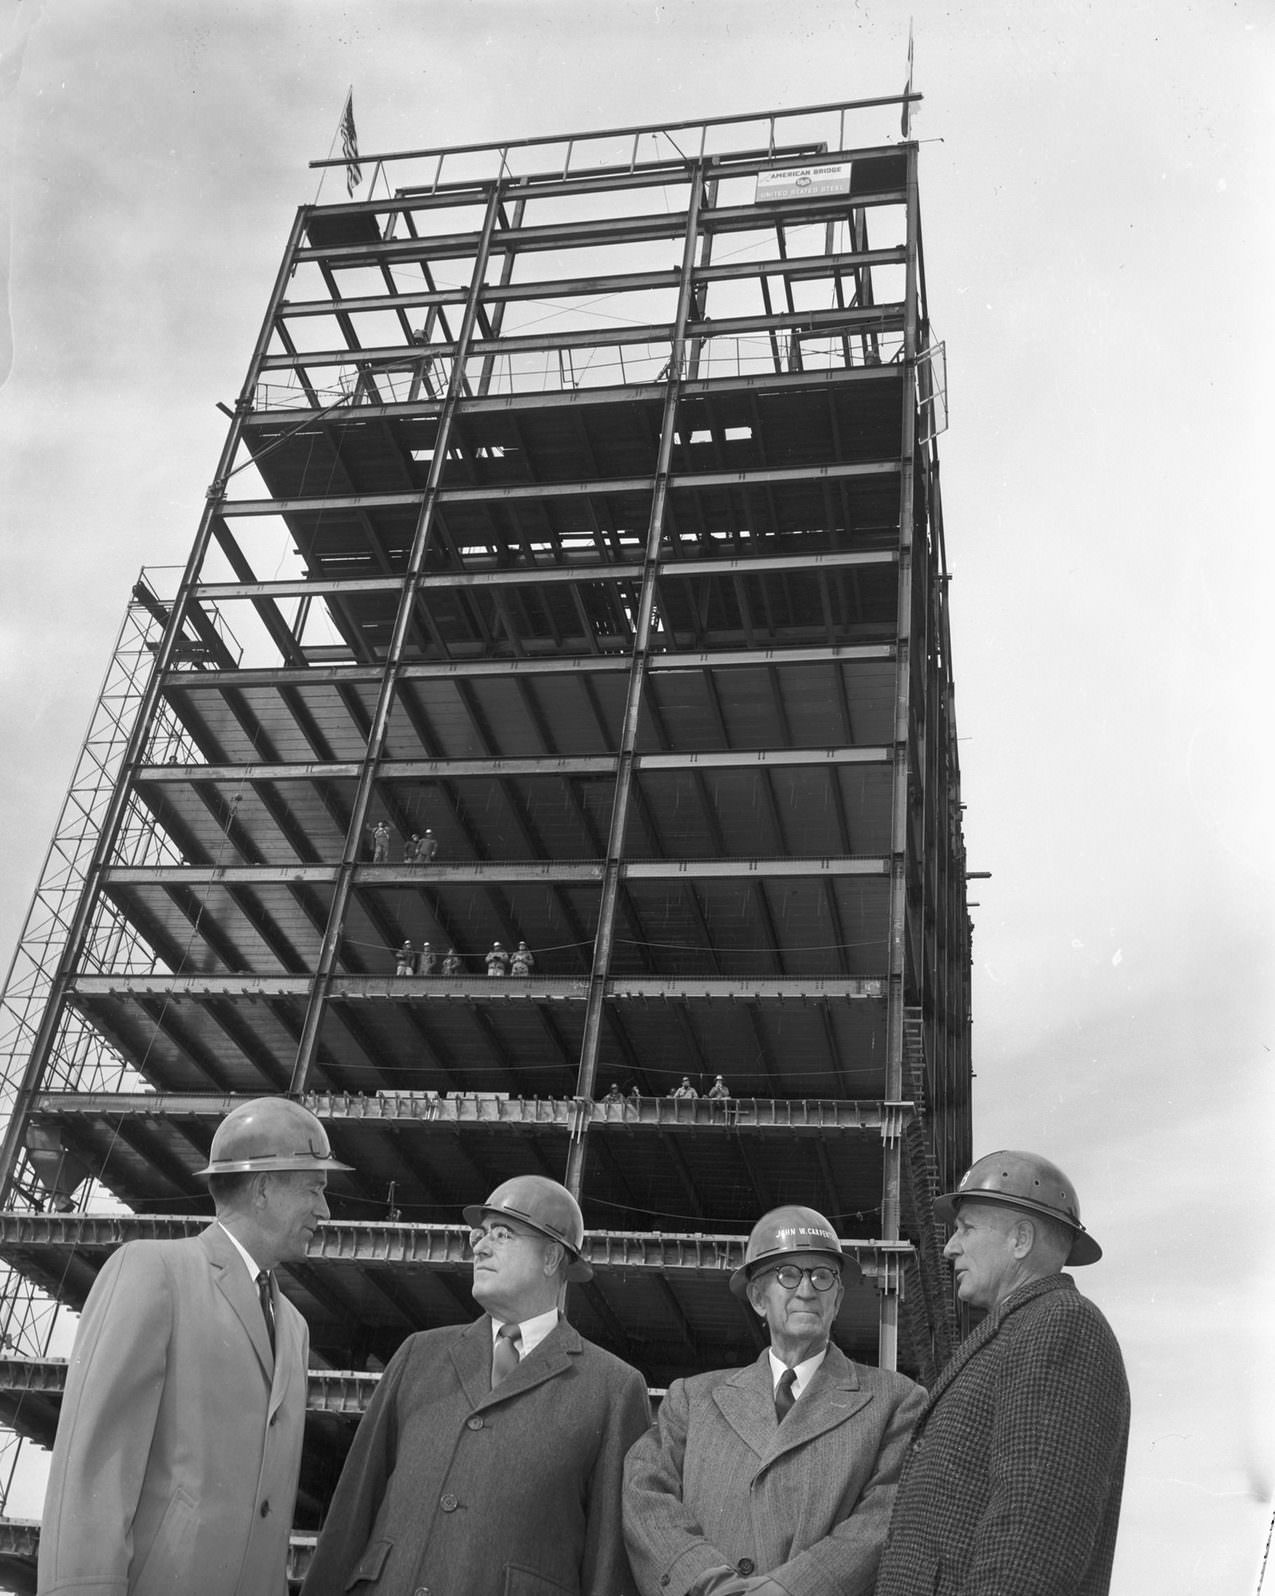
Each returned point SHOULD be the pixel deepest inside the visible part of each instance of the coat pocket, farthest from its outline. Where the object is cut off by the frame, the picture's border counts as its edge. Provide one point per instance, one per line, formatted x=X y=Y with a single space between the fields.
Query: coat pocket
x=165 y=1563
x=371 y=1563
x=527 y=1582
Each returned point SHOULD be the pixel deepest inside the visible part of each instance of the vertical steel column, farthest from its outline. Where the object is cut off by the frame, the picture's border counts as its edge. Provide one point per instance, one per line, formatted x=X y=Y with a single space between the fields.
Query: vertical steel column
x=605 y=935
x=319 y=987
x=888 y=1330
x=37 y=1063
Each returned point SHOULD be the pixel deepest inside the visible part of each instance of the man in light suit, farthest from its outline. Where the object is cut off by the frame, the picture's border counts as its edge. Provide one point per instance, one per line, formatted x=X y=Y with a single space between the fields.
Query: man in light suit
x=1015 y=1474
x=776 y=1479
x=179 y=1443
x=489 y=1460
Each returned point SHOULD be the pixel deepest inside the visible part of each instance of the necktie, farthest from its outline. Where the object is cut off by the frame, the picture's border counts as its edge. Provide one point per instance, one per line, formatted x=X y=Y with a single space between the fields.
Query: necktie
x=267 y=1306
x=784 y=1398
x=505 y=1353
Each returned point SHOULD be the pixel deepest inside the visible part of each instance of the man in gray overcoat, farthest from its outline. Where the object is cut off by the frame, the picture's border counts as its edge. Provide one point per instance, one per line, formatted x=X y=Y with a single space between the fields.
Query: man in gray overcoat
x=489 y=1460
x=1014 y=1476
x=776 y=1479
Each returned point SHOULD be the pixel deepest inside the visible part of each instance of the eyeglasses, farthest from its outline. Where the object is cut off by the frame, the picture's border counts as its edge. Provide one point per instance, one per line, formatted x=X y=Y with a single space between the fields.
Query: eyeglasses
x=498 y=1235
x=821 y=1277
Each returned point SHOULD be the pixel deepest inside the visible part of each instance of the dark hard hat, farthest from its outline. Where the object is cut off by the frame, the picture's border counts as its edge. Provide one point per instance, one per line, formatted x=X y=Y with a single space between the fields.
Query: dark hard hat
x=547 y=1207
x=1023 y=1180
x=269 y=1134
x=780 y=1233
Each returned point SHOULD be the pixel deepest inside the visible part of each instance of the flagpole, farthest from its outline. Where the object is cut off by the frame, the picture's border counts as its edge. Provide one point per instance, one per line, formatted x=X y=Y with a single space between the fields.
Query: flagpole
x=905 y=121
x=332 y=146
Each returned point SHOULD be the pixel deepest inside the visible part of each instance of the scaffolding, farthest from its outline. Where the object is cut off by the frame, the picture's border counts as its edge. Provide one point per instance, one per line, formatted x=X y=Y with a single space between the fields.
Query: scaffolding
x=596 y=479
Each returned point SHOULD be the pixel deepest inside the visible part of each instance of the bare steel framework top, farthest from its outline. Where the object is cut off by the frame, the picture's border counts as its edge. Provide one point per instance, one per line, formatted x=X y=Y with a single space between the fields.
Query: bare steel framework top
x=580 y=512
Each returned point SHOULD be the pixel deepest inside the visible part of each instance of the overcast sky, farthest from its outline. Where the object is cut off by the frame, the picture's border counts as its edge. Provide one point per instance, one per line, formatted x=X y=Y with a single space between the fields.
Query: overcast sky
x=1096 y=193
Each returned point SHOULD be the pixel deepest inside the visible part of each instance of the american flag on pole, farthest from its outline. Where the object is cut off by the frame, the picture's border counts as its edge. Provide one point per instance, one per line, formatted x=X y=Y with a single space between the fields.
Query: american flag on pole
x=906 y=121
x=350 y=146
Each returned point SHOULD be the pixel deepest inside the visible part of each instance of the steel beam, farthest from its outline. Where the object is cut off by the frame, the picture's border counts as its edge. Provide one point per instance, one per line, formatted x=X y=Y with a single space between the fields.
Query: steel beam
x=422 y=1246
x=744 y=477
x=496 y=766
x=707 y=388
x=486 y=874
x=648 y=227
x=458 y=670
x=479 y=988
x=805 y=268
x=878 y=318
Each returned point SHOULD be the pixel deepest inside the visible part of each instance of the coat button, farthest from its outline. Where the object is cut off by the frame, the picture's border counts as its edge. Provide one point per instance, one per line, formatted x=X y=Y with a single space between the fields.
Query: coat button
x=474 y=1424
x=449 y=1504
x=421 y=1590
x=746 y=1566
x=265 y=1509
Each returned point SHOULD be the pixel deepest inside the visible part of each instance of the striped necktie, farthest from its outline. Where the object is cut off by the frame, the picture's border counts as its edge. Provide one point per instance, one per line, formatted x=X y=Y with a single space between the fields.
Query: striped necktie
x=784 y=1398
x=505 y=1353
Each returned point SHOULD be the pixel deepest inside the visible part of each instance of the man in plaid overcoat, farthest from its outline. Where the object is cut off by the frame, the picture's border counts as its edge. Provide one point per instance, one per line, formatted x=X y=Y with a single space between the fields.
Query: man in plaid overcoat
x=1012 y=1483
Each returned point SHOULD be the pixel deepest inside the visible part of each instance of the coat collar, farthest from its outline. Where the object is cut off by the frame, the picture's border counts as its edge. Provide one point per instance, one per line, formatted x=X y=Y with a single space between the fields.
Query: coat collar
x=471 y=1357
x=990 y=1328
x=746 y=1400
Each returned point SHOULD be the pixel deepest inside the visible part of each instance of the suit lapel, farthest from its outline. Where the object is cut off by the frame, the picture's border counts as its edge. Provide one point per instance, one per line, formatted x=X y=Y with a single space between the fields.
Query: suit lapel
x=747 y=1402
x=833 y=1396
x=231 y=1278
x=973 y=1344
x=289 y=1339
x=472 y=1357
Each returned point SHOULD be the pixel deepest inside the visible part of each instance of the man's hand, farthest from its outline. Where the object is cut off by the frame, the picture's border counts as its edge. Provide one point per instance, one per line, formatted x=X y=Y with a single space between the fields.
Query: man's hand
x=756 y=1585
x=715 y=1581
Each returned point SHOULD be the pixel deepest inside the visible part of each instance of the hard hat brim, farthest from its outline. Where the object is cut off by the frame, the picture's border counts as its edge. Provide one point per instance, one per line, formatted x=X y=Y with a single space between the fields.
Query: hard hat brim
x=577 y=1270
x=271 y=1163
x=1084 y=1249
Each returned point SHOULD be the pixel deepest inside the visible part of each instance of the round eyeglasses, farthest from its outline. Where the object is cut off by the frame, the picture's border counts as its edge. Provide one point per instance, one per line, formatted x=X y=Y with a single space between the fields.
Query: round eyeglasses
x=821 y=1277
x=498 y=1235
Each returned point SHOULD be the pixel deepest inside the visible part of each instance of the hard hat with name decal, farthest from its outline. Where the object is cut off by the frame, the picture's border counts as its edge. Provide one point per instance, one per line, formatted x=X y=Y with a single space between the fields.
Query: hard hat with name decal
x=783 y=1231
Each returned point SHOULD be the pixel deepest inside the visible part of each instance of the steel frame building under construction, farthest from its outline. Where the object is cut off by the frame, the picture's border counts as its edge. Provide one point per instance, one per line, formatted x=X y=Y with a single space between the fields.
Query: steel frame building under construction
x=580 y=506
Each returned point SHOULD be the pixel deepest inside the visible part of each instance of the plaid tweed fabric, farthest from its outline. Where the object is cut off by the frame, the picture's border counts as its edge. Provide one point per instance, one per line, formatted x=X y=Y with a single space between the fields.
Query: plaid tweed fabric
x=1012 y=1483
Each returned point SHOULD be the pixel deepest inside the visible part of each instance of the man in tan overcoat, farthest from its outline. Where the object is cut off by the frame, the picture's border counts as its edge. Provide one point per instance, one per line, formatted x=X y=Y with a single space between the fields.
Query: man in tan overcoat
x=175 y=1466
x=776 y=1479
